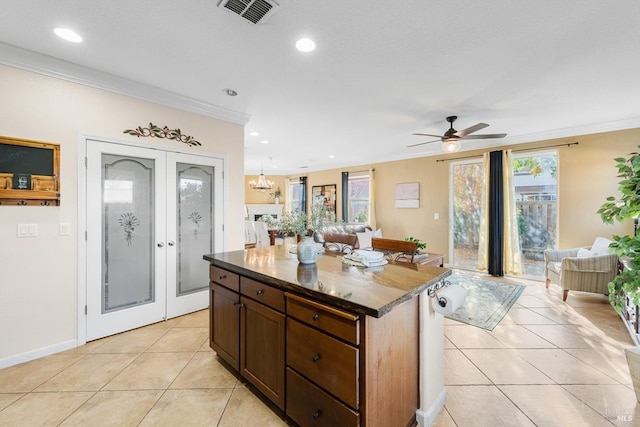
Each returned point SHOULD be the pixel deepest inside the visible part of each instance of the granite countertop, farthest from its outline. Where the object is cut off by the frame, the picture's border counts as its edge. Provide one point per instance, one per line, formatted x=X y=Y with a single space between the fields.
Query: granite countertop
x=372 y=291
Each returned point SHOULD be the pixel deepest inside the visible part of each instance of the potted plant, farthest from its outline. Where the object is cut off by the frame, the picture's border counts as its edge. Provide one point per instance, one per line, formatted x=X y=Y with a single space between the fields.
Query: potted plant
x=627 y=283
x=308 y=249
x=293 y=222
x=625 y=207
x=421 y=244
x=276 y=195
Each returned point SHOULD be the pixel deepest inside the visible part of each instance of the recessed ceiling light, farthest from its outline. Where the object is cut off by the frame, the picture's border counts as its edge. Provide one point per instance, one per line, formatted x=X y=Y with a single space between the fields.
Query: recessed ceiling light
x=305 y=45
x=274 y=166
x=254 y=133
x=68 y=35
x=331 y=156
x=264 y=141
x=230 y=92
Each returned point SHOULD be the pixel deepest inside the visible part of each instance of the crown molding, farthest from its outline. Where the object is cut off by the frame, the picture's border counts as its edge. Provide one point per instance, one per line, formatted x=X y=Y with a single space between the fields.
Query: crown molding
x=49 y=66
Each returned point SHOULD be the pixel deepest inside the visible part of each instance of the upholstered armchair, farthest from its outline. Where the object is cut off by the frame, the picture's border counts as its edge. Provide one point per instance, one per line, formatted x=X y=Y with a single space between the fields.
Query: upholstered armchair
x=582 y=269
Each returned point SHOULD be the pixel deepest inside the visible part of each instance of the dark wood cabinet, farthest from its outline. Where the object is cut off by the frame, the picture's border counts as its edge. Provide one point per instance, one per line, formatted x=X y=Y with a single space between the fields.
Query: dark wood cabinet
x=262 y=349
x=323 y=365
x=224 y=325
x=248 y=332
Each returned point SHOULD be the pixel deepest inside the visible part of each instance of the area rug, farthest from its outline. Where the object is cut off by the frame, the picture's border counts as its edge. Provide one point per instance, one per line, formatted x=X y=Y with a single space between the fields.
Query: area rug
x=487 y=301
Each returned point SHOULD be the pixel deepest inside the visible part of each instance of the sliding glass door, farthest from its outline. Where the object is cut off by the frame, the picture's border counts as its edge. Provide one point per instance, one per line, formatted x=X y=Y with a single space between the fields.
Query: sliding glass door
x=466 y=201
x=536 y=191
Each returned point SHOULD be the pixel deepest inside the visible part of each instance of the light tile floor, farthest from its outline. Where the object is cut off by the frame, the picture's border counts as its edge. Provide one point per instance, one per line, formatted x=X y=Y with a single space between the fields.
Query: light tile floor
x=546 y=364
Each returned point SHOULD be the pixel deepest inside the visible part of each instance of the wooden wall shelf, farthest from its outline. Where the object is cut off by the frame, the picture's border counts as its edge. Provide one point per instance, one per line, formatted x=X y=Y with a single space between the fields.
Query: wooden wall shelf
x=29 y=172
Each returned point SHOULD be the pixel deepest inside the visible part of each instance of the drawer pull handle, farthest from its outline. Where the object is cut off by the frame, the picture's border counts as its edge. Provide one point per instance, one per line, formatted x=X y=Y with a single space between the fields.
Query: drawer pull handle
x=315 y=358
x=316 y=317
x=224 y=276
x=316 y=414
x=260 y=292
x=238 y=304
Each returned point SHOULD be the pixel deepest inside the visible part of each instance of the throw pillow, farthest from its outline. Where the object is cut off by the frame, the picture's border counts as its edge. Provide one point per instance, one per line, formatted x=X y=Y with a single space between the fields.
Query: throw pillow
x=584 y=253
x=601 y=246
x=378 y=233
x=364 y=239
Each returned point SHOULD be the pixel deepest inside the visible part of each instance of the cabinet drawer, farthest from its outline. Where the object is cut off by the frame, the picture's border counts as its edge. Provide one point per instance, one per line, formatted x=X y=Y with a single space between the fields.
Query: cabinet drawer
x=262 y=293
x=330 y=363
x=224 y=278
x=308 y=405
x=335 y=322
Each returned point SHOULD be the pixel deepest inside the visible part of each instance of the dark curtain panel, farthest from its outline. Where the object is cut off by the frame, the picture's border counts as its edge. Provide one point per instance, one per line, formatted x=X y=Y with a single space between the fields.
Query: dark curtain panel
x=496 y=214
x=345 y=196
x=303 y=194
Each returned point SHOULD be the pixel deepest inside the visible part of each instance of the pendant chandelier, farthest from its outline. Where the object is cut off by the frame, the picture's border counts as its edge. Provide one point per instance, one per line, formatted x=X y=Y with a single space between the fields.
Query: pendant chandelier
x=263 y=183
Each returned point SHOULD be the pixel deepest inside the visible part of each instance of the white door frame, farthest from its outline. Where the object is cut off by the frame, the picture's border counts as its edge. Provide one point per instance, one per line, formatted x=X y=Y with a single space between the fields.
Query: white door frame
x=82 y=214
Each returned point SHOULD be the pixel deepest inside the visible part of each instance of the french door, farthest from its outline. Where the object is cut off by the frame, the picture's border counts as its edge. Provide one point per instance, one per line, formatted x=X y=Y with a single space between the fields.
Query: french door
x=151 y=215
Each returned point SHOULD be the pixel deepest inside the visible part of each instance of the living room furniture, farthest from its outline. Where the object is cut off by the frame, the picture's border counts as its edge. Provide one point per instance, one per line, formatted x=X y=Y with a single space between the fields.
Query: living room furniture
x=395 y=250
x=587 y=269
x=338 y=242
x=353 y=229
x=437 y=260
x=326 y=354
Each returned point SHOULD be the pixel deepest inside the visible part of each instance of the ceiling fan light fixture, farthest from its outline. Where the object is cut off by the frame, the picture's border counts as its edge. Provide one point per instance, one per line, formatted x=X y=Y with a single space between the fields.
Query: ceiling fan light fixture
x=263 y=183
x=451 y=145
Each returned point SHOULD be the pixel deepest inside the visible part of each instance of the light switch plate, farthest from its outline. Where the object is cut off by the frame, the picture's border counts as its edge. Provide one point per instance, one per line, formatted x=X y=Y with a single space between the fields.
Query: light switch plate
x=23 y=230
x=65 y=229
x=27 y=230
x=436 y=216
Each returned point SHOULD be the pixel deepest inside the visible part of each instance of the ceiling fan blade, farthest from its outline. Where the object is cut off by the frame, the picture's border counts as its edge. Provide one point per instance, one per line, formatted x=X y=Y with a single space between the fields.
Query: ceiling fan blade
x=471 y=129
x=427 y=134
x=422 y=143
x=485 y=136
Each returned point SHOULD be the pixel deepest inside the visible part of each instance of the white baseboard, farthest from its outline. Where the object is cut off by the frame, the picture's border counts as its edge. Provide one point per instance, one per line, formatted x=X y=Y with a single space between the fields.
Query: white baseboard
x=426 y=418
x=38 y=353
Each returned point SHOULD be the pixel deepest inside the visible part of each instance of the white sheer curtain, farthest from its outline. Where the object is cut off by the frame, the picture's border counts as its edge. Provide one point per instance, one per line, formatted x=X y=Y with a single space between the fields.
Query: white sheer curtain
x=287 y=194
x=483 y=233
x=512 y=262
x=372 y=200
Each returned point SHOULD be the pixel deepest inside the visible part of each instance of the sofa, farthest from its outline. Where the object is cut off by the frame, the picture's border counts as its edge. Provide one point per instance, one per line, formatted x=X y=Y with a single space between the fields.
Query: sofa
x=333 y=233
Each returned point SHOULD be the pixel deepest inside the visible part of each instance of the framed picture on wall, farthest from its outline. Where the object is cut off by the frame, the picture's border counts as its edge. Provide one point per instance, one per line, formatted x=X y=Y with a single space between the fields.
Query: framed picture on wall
x=325 y=194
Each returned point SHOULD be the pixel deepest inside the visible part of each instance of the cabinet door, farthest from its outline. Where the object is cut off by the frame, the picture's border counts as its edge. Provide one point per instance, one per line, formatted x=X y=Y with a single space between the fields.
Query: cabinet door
x=225 y=324
x=262 y=349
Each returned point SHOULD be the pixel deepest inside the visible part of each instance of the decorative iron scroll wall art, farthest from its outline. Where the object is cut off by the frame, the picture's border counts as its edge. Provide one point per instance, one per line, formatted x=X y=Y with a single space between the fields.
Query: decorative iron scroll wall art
x=158 y=132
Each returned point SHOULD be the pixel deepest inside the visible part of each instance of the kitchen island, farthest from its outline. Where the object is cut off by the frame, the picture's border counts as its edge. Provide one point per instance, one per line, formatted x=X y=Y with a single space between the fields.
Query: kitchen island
x=329 y=344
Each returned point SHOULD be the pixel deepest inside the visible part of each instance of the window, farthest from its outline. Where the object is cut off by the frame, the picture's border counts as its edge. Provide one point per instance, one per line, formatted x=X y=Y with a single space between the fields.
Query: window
x=297 y=191
x=358 y=198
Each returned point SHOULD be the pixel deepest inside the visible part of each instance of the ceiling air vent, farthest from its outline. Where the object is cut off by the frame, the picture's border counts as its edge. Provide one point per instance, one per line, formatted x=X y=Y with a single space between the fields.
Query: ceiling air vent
x=252 y=10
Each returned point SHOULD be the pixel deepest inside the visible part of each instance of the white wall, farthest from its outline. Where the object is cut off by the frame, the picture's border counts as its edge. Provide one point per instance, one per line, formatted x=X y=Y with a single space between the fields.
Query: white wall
x=38 y=275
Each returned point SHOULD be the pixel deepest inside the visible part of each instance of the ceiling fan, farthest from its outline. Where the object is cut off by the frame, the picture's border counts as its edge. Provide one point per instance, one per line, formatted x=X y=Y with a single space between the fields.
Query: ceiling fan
x=451 y=138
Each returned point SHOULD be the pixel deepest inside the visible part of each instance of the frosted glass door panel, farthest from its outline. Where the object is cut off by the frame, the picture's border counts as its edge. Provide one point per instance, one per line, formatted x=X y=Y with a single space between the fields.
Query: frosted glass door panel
x=128 y=232
x=195 y=226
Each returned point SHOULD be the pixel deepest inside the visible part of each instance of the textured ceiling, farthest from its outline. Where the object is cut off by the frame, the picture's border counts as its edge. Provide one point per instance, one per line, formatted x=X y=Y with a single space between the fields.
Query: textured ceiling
x=382 y=69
